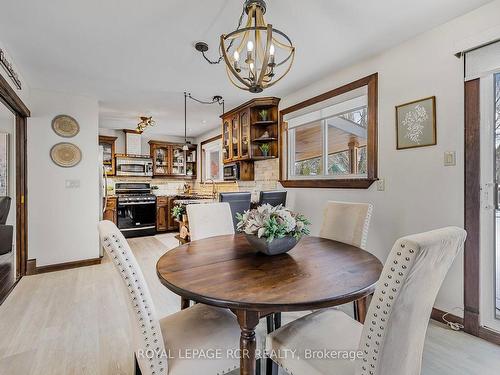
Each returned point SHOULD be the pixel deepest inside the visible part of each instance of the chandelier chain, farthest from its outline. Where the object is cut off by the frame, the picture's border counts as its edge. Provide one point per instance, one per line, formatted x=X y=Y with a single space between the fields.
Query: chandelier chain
x=214 y=62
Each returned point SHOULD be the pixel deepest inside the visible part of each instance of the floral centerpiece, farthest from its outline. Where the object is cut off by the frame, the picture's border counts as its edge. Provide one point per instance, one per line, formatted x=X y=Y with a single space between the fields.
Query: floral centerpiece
x=272 y=230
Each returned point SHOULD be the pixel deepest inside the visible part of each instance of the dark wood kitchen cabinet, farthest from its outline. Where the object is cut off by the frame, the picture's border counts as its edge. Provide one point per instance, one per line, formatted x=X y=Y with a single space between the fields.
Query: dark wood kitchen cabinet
x=162 y=214
x=108 y=153
x=247 y=127
x=110 y=211
x=172 y=224
x=170 y=160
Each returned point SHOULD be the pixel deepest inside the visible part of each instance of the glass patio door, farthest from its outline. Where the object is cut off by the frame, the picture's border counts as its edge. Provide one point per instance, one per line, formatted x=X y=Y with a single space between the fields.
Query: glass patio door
x=490 y=200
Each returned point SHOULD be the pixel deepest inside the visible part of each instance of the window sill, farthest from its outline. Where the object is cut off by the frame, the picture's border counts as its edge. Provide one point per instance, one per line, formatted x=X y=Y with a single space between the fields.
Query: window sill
x=347 y=183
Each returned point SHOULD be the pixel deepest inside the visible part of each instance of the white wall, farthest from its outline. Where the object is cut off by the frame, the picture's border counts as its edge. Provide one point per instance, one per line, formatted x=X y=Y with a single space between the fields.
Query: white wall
x=421 y=194
x=62 y=222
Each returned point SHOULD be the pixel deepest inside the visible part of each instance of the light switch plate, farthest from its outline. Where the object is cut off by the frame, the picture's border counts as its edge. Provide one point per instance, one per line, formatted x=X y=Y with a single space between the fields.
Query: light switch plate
x=381 y=184
x=450 y=158
x=72 y=184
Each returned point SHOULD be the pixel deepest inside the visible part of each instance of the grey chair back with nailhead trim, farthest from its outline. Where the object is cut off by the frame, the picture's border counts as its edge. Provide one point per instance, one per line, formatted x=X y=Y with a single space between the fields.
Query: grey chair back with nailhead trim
x=396 y=322
x=148 y=334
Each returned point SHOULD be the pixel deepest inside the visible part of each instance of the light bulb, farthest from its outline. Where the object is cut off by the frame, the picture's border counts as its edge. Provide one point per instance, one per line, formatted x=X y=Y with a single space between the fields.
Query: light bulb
x=250 y=46
x=251 y=67
x=271 y=50
x=236 y=56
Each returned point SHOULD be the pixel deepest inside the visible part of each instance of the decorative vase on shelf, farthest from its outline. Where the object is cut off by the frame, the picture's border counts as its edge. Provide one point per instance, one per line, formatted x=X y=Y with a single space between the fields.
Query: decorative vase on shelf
x=275 y=247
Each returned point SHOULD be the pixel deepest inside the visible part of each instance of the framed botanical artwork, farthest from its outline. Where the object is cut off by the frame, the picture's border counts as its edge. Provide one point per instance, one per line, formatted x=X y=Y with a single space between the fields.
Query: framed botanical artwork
x=4 y=164
x=416 y=124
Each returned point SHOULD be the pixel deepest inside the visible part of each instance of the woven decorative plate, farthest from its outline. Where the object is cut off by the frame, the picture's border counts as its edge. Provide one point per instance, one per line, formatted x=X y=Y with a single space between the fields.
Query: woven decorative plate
x=65 y=126
x=65 y=154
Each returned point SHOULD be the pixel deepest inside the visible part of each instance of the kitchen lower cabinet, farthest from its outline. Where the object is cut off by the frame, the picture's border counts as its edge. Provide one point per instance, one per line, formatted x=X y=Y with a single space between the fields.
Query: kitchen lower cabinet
x=172 y=224
x=162 y=214
x=110 y=211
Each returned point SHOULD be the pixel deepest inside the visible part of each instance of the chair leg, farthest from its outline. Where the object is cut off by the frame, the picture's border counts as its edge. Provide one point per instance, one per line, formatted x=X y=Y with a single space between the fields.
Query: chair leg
x=137 y=370
x=270 y=323
x=257 y=367
x=185 y=303
x=360 y=310
x=277 y=320
x=273 y=322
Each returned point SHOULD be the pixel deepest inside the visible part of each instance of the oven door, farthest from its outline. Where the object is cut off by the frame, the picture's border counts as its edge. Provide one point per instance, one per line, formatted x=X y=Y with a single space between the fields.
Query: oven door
x=137 y=218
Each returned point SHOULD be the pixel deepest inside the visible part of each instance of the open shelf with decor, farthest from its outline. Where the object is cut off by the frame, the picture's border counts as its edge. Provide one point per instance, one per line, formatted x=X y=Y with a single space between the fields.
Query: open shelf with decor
x=250 y=131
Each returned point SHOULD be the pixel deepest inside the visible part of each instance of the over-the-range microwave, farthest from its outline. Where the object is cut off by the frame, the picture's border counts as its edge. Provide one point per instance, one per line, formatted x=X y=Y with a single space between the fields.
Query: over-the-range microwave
x=134 y=166
x=231 y=172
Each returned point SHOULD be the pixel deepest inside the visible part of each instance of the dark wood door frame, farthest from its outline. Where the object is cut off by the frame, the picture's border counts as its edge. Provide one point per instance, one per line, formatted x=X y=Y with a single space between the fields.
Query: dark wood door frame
x=472 y=206
x=9 y=97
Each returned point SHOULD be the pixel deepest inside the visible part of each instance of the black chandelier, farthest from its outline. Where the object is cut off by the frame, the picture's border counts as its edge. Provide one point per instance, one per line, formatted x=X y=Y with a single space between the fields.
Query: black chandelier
x=268 y=53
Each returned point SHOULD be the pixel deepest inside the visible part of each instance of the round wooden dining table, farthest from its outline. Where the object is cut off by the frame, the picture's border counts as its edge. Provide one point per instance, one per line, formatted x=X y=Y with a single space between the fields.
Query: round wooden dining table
x=225 y=271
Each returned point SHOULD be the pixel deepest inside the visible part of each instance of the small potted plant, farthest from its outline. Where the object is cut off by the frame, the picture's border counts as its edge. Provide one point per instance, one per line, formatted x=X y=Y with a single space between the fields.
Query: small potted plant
x=178 y=211
x=263 y=114
x=264 y=148
x=272 y=230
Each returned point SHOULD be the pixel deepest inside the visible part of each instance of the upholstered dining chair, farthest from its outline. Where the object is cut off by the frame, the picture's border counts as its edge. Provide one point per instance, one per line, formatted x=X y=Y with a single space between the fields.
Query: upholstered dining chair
x=348 y=222
x=159 y=344
x=209 y=220
x=392 y=339
x=239 y=202
x=274 y=198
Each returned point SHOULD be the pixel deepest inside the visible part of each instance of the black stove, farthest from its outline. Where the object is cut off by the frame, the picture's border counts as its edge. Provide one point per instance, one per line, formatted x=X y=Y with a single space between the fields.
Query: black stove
x=136 y=209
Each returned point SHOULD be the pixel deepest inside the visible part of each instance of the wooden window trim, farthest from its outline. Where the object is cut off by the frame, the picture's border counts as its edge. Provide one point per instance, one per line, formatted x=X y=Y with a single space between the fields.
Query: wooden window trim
x=472 y=204
x=371 y=82
x=209 y=140
x=14 y=103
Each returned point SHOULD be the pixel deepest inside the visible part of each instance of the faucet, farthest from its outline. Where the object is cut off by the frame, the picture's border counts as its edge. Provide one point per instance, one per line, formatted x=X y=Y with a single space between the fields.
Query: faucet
x=214 y=193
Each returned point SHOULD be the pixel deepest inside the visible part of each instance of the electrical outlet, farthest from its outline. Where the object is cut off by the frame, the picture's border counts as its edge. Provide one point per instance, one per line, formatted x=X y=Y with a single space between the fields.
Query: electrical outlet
x=72 y=184
x=450 y=158
x=381 y=184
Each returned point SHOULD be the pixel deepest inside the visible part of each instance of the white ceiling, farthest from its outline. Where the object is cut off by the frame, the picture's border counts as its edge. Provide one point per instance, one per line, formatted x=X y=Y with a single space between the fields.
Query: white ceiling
x=137 y=57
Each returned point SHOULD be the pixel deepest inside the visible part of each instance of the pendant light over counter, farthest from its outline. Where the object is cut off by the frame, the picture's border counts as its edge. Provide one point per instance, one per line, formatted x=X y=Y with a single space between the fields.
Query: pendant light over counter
x=217 y=99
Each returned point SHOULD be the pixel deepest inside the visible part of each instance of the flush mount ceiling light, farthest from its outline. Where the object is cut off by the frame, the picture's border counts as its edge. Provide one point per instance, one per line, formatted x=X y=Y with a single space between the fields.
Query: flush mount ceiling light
x=266 y=53
x=145 y=122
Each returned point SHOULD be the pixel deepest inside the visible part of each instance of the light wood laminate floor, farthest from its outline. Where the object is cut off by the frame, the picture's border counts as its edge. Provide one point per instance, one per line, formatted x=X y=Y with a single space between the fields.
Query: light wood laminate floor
x=76 y=322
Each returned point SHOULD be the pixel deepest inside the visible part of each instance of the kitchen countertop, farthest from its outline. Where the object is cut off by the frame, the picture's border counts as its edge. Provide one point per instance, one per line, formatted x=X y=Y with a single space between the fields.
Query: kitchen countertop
x=194 y=201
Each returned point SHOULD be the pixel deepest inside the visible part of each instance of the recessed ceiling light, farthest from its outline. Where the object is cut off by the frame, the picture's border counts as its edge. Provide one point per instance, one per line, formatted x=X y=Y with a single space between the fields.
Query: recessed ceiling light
x=203 y=121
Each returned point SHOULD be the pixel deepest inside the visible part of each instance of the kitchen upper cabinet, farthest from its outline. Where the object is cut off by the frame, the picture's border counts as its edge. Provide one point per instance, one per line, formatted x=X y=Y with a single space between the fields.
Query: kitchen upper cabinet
x=178 y=161
x=108 y=153
x=235 y=137
x=226 y=139
x=250 y=131
x=160 y=153
x=244 y=134
x=170 y=160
